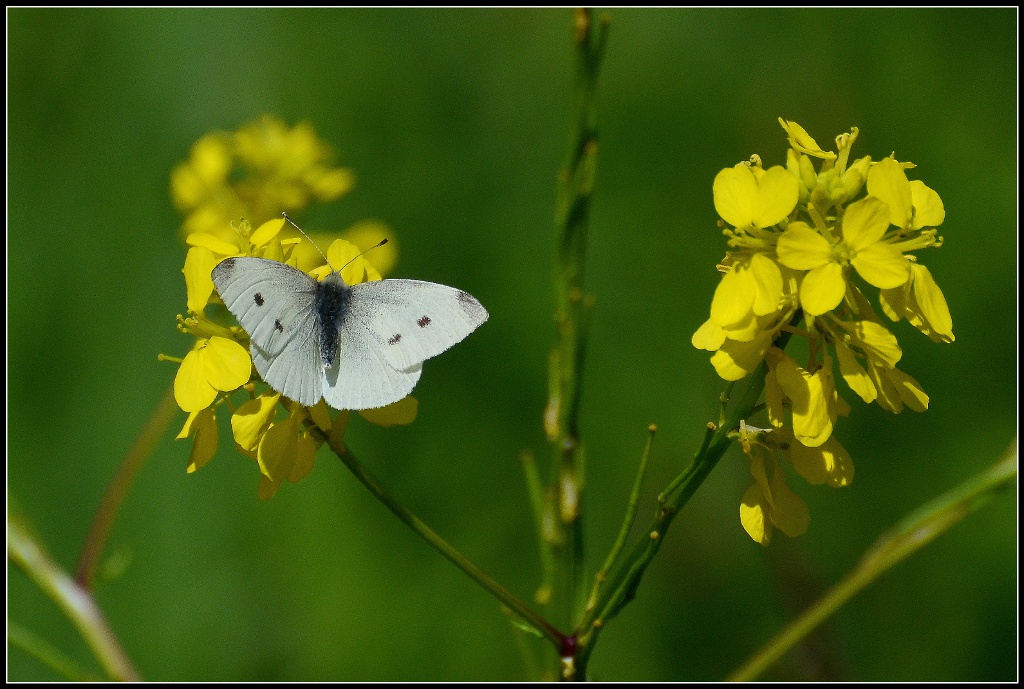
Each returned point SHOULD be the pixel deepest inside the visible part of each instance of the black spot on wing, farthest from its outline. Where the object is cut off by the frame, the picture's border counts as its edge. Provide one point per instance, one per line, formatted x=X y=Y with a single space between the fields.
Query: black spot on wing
x=423 y=322
x=258 y=298
x=277 y=324
x=395 y=339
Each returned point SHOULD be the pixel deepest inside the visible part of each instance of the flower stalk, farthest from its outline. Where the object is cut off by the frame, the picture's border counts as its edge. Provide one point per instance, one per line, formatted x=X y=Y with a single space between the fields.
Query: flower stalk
x=572 y=219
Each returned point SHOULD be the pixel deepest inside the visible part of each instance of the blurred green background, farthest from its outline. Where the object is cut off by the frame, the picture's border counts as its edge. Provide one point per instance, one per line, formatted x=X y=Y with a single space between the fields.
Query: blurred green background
x=455 y=123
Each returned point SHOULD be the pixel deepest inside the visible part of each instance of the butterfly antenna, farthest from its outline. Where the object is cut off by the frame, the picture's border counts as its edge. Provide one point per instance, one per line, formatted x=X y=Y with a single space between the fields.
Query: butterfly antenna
x=378 y=244
x=292 y=223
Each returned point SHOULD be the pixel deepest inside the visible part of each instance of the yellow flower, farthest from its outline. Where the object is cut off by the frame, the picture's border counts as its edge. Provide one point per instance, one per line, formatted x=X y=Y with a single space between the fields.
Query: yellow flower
x=863 y=227
x=214 y=365
x=257 y=172
x=798 y=239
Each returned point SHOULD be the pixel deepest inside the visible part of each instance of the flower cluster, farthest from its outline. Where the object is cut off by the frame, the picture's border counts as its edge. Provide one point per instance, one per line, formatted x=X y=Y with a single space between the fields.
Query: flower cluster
x=257 y=173
x=802 y=241
x=246 y=173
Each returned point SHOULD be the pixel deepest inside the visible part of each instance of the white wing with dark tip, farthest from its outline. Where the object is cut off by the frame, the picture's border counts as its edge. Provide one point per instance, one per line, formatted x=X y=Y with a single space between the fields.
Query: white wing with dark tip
x=275 y=304
x=411 y=321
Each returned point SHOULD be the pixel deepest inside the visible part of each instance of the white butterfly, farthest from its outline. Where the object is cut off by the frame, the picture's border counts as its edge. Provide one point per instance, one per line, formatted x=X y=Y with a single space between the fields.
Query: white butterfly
x=357 y=347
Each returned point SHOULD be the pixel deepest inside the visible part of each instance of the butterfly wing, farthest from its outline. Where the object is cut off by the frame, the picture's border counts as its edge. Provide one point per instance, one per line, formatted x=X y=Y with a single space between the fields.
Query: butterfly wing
x=275 y=304
x=361 y=377
x=411 y=321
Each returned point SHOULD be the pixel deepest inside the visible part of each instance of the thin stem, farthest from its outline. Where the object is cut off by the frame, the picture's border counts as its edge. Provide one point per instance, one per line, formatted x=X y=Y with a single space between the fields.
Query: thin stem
x=74 y=599
x=106 y=514
x=627 y=522
x=45 y=653
x=627 y=577
x=907 y=537
x=442 y=546
x=541 y=515
x=572 y=219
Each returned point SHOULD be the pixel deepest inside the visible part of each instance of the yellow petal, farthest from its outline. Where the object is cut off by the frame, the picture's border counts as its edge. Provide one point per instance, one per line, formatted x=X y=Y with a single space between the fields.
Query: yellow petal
x=735 y=360
x=928 y=208
x=894 y=301
x=812 y=422
x=879 y=345
x=734 y=297
x=753 y=515
x=251 y=420
x=277 y=451
x=400 y=413
x=909 y=390
x=333 y=184
x=358 y=269
x=211 y=242
x=822 y=289
x=211 y=158
x=801 y=141
x=888 y=396
x=932 y=303
x=192 y=391
x=864 y=223
x=801 y=248
x=267 y=487
x=882 y=265
x=777 y=194
x=734 y=189
x=305 y=456
x=708 y=336
x=767 y=280
x=828 y=463
x=888 y=181
x=226 y=364
x=854 y=374
x=265 y=232
x=204 y=445
x=199 y=261
x=338 y=427
x=320 y=415
x=774 y=399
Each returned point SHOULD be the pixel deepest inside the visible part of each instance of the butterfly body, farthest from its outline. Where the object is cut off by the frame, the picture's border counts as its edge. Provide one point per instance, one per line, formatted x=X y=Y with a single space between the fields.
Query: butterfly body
x=356 y=346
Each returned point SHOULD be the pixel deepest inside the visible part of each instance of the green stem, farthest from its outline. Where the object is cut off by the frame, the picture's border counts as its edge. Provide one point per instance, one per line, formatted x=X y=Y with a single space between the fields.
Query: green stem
x=572 y=213
x=627 y=522
x=110 y=505
x=624 y=582
x=442 y=546
x=19 y=637
x=907 y=537
x=73 y=598
x=538 y=503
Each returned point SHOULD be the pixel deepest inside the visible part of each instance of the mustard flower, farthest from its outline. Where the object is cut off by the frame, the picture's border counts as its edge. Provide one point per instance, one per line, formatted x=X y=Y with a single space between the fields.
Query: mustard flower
x=802 y=240
x=258 y=172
